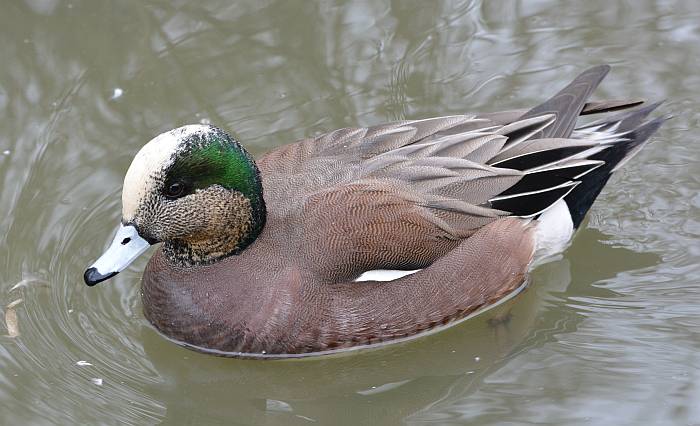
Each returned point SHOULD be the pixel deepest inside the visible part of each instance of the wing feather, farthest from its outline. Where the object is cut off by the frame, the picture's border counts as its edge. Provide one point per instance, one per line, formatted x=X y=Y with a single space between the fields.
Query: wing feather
x=440 y=179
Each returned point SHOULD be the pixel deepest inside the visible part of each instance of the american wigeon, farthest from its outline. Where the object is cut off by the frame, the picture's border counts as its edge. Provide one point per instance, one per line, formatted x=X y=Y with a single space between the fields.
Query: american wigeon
x=361 y=236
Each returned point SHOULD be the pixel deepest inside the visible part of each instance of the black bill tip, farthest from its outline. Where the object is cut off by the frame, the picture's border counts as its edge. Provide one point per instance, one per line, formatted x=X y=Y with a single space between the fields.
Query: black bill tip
x=93 y=277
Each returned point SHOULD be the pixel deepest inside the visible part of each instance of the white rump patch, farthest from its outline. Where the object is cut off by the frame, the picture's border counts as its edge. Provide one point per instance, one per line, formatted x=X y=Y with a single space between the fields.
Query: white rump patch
x=554 y=231
x=384 y=275
x=152 y=159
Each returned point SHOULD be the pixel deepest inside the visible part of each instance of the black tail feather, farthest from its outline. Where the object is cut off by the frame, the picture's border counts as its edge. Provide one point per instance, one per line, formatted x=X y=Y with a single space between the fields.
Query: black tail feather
x=548 y=178
x=581 y=198
x=540 y=158
x=532 y=204
x=560 y=161
x=628 y=120
x=597 y=107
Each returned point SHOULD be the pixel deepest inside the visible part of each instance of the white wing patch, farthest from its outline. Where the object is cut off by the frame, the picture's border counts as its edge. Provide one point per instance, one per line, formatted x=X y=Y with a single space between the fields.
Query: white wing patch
x=384 y=275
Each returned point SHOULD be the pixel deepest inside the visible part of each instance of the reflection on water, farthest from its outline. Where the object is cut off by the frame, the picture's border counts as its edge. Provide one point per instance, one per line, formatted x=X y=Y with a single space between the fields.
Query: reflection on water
x=609 y=332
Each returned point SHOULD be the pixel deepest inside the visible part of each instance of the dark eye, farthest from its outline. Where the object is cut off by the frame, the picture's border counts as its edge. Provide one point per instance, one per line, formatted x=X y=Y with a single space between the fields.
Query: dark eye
x=175 y=189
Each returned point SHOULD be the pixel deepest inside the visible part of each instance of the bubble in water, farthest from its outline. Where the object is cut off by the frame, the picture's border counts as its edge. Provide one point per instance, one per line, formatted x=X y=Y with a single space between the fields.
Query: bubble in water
x=278 y=406
x=117 y=93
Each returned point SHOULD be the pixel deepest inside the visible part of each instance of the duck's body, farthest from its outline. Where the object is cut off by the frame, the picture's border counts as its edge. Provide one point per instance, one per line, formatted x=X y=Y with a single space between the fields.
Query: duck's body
x=274 y=299
x=367 y=235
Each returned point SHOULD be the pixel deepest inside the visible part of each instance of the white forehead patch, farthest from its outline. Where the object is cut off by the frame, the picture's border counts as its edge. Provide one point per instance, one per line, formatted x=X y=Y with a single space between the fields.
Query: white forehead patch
x=150 y=162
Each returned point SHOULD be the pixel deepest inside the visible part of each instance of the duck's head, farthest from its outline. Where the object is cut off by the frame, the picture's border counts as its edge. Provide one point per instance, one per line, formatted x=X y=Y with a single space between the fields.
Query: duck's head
x=195 y=189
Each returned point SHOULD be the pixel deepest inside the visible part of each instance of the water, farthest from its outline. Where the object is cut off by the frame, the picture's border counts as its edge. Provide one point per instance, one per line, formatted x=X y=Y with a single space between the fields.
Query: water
x=609 y=334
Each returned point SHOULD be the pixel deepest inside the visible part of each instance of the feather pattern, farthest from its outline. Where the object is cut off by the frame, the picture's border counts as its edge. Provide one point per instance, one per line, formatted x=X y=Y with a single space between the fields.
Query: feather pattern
x=460 y=172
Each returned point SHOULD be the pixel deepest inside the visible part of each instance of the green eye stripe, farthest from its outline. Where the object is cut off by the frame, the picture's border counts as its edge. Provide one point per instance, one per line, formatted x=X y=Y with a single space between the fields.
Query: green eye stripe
x=217 y=161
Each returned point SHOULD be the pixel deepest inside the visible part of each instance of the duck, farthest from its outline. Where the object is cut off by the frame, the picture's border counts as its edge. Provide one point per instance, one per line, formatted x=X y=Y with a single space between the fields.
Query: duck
x=362 y=236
